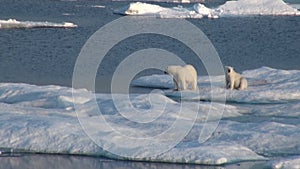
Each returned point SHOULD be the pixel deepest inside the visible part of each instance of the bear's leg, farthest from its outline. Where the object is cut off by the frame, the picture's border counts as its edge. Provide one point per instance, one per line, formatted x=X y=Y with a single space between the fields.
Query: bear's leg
x=227 y=85
x=231 y=84
x=183 y=84
x=176 y=85
x=243 y=84
x=194 y=85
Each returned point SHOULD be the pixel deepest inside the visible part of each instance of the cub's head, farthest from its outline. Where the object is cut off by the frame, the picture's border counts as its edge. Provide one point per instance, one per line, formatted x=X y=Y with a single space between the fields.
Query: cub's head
x=229 y=69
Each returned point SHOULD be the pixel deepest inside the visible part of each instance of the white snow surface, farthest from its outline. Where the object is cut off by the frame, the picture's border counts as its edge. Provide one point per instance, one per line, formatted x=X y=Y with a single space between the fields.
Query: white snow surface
x=43 y=119
x=257 y=7
x=13 y=23
x=266 y=85
x=145 y=9
x=198 y=10
x=291 y=163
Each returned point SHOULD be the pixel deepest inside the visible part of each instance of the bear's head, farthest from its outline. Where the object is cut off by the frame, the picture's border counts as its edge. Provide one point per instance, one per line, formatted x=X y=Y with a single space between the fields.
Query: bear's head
x=229 y=69
x=171 y=69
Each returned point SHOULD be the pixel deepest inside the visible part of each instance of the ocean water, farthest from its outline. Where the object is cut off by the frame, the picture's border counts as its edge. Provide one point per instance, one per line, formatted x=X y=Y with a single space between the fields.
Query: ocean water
x=38 y=56
x=46 y=56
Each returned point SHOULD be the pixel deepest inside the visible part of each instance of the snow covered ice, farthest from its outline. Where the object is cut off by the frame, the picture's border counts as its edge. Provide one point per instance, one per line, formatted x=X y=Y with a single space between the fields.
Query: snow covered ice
x=257 y=7
x=264 y=87
x=230 y=8
x=144 y=9
x=292 y=163
x=13 y=23
x=260 y=123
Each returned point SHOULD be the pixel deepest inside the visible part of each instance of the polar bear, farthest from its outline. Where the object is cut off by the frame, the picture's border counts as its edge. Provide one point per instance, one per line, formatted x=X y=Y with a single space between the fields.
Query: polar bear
x=183 y=76
x=234 y=80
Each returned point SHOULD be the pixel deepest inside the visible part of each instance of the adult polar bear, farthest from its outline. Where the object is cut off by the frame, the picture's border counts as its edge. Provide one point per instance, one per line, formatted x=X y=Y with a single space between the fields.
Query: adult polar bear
x=234 y=80
x=183 y=76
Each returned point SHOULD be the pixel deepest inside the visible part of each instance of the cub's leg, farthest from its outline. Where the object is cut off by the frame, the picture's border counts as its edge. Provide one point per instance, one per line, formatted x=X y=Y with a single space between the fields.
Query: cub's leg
x=243 y=84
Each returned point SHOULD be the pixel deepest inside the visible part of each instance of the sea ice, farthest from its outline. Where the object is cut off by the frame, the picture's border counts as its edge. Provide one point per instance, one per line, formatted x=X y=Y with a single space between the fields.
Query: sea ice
x=256 y=7
x=145 y=9
x=288 y=163
x=13 y=23
x=43 y=119
x=230 y=8
x=266 y=85
x=38 y=119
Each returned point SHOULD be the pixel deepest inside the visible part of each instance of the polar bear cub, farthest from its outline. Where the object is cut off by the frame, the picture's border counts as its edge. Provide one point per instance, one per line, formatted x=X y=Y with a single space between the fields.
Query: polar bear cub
x=234 y=80
x=183 y=76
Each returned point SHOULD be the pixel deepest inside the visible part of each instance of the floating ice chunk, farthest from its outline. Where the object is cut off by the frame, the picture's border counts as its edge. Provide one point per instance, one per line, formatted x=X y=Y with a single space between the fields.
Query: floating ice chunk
x=47 y=128
x=68 y=25
x=41 y=119
x=140 y=8
x=98 y=6
x=256 y=7
x=68 y=14
x=55 y=129
x=145 y=9
x=13 y=23
x=230 y=8
x=203 y=10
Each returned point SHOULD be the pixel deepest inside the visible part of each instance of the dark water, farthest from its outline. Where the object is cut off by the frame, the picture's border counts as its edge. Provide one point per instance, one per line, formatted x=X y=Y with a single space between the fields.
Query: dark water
x=47 y=56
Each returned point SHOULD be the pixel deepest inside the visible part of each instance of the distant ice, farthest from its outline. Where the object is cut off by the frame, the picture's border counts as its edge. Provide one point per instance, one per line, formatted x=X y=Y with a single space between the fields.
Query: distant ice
x=145 y=9
x=68 y=14
x=230 y=8
x=98 y=6
x=256 y=7
x=13 y=23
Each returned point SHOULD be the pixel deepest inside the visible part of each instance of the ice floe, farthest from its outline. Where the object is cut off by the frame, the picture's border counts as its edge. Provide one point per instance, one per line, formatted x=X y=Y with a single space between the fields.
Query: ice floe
x=13 y=23
x=43 y=119
x=230 y=8
x=256 y=7
x=145 y=9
